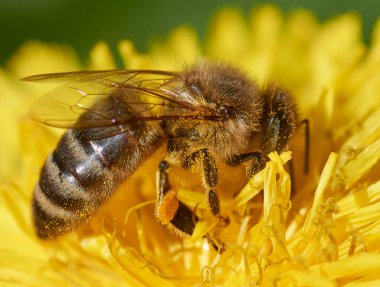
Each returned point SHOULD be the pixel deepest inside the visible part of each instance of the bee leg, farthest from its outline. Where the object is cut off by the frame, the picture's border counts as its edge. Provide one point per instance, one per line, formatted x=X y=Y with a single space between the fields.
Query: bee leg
x=210 y=176
x=255 y=160
x=169 y=210
x=210 y=179
x=240 y=158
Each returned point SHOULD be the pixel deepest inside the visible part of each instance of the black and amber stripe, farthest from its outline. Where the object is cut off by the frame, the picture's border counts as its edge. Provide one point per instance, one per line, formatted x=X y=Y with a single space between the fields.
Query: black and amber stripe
x=84 y=171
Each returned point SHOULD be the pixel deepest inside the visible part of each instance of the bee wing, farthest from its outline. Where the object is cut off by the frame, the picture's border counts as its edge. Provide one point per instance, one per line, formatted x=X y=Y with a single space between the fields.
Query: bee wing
x=114 y=76
x=147 y=95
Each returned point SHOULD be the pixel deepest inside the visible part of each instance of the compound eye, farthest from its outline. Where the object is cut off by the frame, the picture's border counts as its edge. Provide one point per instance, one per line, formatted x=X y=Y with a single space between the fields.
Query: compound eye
x=226 y=112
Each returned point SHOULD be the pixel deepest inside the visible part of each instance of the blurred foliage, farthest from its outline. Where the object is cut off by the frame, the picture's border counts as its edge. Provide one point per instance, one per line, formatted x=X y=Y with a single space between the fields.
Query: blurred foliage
x=82 y=23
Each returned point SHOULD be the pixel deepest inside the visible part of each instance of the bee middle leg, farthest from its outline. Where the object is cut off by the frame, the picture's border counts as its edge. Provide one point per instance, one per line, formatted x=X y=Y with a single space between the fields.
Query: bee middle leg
x=210 y=176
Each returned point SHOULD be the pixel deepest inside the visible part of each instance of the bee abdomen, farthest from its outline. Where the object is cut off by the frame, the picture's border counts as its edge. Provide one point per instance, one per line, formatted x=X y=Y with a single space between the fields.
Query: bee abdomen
x=50 y=219
x=83 y=172
x=63 y=196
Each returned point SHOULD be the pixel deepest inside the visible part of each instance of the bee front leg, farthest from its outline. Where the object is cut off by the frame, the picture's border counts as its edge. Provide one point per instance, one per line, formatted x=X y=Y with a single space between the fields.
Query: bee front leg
x=169 y=210
x=255 y=162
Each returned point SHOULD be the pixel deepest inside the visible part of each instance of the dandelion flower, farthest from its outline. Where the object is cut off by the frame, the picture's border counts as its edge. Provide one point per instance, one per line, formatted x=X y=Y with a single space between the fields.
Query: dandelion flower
x=320 y=228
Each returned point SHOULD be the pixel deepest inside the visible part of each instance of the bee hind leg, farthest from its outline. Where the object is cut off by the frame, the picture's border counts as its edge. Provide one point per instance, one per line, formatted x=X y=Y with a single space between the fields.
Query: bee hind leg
x=175 y=214
x=169 y=210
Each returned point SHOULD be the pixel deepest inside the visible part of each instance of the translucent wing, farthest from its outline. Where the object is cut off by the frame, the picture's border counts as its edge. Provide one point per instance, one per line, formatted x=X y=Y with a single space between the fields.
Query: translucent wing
x=116 y=97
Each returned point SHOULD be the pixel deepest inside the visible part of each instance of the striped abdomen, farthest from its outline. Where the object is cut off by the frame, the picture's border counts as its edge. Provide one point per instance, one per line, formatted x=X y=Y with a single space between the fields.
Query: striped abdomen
x=84 y=170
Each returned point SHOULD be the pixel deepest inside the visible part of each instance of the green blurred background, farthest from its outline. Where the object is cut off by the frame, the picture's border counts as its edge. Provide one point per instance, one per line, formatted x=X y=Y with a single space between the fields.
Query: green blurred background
x=82 y=23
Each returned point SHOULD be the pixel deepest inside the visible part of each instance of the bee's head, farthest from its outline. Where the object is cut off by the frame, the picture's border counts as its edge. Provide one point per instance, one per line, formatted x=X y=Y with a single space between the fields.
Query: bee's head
x=224 y=90
x=232 y=101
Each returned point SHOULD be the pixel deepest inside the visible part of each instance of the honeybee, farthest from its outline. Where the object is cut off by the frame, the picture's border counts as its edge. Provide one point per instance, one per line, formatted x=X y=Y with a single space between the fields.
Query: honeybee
x=206 y=113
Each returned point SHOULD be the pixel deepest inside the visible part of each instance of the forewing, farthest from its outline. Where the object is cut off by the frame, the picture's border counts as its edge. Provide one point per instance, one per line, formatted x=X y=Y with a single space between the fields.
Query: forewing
x=143 y=93
x=114 y=76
